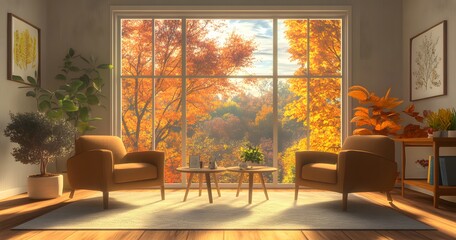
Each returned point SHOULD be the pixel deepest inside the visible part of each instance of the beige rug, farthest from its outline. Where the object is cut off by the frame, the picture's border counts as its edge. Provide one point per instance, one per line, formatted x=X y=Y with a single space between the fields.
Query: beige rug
x=145 y=210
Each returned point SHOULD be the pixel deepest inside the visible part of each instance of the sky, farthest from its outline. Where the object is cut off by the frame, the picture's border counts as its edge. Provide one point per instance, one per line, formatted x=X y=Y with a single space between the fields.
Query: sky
x=261 y=31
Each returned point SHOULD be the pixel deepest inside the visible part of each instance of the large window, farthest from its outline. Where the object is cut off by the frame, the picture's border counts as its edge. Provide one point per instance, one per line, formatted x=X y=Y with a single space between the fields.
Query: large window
x=207 y=86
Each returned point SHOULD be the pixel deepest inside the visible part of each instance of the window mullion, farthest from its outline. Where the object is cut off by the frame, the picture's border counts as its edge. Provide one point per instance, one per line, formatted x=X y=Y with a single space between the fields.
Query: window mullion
x=308 y=85
x=184 y=96
x=275 y=100
x=153 y=85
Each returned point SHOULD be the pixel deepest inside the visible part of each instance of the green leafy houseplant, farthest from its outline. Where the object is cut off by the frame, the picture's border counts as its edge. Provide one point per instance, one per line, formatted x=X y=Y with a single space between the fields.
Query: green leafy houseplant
x=80 y=91
x=40 y=139
x=252 y=154
x=432 y=120
x=453 y=120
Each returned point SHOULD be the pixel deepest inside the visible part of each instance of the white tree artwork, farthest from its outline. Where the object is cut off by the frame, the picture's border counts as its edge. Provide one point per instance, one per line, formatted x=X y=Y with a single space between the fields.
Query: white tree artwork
x=428 y=63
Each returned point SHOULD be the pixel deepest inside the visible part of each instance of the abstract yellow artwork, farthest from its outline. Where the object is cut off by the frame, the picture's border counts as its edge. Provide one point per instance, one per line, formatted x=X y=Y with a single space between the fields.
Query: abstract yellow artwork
x=23 y=50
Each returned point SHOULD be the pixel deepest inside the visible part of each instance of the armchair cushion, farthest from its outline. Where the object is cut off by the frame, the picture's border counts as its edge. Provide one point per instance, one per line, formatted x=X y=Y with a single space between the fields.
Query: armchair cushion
x=130 y=172
x=320 y=172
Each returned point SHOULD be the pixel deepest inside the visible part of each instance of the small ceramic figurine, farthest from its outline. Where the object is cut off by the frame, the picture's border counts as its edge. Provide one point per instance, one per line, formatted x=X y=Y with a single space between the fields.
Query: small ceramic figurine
x=213 y=164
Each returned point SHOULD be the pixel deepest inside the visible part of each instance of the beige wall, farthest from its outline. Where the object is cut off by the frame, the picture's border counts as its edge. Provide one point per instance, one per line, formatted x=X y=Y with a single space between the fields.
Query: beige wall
x=13 y=174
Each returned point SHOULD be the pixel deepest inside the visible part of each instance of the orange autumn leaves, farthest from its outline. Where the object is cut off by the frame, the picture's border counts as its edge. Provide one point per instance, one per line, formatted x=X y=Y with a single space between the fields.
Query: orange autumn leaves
x=379 y=116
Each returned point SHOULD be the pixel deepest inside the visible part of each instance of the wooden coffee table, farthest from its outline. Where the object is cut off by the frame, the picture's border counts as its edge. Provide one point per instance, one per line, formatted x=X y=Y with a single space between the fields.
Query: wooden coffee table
x=200 y=172
x=251 y=171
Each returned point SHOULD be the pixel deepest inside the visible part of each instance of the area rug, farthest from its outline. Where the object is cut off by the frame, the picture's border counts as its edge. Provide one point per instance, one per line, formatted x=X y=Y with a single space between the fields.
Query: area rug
x=146 y=210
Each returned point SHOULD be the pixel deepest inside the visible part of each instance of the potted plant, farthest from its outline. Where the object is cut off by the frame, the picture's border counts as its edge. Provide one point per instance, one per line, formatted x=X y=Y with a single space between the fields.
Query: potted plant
x=433 y=121
x=452 y=128
x=81 y=88
x=250 y=155
x=40 y=141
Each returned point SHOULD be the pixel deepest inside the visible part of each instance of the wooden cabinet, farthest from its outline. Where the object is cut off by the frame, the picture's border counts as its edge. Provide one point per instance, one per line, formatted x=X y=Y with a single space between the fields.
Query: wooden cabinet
x=436 y=144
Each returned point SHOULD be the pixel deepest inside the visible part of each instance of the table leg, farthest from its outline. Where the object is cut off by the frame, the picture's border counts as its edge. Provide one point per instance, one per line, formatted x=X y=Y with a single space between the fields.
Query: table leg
x=188 y=186
x=250 y=186
x=436 y=174
x=240 y=183
x=216 y=184
x=264 y=186
x=200 y=175
x=403 y=169
x=209 y=189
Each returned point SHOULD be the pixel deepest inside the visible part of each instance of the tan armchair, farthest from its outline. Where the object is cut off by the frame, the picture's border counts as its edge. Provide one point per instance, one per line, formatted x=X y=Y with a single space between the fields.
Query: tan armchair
x=365 y=164
x=102 y=163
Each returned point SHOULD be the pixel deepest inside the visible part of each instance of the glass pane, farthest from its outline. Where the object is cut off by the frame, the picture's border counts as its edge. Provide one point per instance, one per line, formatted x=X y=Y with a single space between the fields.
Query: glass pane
x=168 y=47
x=137 y=114
x=325 y=114
x=168 y=124
x=292 y=117
x=136 y=47
x=222 y=47
x=325 y=47
x=225 y=114
x=292 y=46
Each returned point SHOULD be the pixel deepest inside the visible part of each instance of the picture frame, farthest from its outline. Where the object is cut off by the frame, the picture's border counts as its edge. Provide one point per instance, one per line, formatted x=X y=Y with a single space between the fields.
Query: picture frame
x=194 y=161
x=23 y=51
x=428 y=63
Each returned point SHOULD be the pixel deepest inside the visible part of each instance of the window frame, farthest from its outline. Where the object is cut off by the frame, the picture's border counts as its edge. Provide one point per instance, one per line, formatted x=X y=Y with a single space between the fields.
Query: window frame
x=231 y=12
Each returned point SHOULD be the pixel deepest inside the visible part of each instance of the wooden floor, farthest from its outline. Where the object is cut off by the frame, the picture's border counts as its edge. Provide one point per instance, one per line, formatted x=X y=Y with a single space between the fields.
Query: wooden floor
x=19 y=209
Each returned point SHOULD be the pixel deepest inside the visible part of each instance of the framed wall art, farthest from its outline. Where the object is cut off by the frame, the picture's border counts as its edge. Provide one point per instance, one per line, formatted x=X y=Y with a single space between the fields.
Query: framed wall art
x=23 y=52
x=428 y=74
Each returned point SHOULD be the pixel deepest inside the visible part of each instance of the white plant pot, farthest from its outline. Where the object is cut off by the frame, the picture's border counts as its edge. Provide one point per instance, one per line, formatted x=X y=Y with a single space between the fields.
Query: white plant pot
x=45 y=187
x=451 y=133
x=436 y=134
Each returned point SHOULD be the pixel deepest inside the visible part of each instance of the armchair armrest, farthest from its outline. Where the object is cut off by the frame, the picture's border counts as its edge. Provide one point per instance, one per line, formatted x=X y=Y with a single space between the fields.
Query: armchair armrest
x=306 y=157
x=91 y=169
x=364 y=171
x=156 y=158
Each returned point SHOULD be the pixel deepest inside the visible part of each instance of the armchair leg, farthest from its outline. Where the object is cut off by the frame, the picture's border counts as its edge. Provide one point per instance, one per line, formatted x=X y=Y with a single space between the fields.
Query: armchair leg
x=105 y=199
x=388 y=196
x=162 y=190
x=72 y=193
x=296 y=191
x=344 y=201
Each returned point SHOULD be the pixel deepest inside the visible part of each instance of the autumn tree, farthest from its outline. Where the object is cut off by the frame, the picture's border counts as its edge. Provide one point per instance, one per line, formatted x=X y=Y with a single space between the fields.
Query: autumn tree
x=321 y=59
x=205 y=56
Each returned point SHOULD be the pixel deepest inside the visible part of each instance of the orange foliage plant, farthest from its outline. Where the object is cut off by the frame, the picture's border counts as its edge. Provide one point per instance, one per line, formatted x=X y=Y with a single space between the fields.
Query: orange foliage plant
x=379 y=116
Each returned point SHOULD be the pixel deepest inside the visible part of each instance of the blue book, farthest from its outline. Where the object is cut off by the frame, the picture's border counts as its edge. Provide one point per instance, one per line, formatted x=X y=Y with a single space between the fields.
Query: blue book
x=448 y=170
x=431 y=171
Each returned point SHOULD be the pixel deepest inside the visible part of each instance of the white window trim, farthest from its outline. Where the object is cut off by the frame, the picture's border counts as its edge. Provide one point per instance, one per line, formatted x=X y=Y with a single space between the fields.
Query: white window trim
x=342 y=12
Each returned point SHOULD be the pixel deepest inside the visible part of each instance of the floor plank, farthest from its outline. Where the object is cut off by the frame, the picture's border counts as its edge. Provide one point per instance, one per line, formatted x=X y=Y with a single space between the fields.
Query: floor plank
x=104 y=235
x=17 y=235
x=164 y=235
x=202 y=235
x=325 y=235
x=47 y=234
x=434 y=235
x=363 y=235
x=284 y=234
x=243 y=234
x=411 y=235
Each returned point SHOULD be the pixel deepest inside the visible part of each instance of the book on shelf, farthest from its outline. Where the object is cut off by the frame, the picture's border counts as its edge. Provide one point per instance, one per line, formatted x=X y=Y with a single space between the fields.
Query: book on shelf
x=430 y=173
x=448 y=170
x=430 y=178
